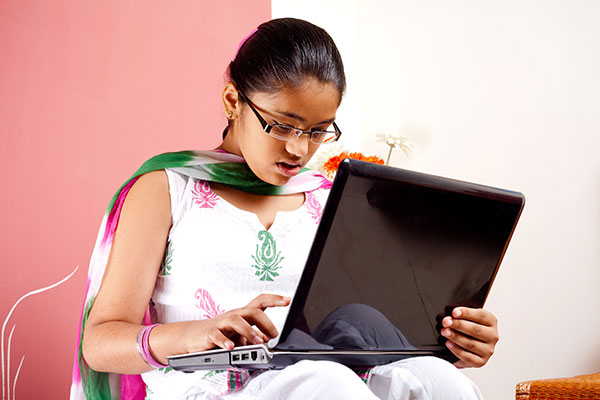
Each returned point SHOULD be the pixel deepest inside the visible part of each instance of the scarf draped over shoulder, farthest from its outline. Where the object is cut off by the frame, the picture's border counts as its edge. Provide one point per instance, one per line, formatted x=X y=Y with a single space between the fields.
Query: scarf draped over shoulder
x=213 y=166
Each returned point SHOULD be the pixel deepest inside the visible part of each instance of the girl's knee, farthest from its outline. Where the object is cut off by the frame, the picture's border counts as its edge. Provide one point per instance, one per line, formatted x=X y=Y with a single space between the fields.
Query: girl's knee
x=308 y=380
x=431 y=375
x=320 y=369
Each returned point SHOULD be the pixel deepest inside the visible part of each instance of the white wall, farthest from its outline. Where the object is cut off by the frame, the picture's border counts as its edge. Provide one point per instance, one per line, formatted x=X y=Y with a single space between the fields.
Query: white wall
x=504 y=93
x=339 y=18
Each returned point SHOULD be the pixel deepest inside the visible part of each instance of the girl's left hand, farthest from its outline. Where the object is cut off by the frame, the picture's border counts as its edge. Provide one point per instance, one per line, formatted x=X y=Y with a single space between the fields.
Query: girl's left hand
x=472 y=335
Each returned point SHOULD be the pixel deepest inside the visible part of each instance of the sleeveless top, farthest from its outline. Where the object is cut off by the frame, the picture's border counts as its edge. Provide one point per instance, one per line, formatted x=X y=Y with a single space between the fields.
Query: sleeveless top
x=219 y=258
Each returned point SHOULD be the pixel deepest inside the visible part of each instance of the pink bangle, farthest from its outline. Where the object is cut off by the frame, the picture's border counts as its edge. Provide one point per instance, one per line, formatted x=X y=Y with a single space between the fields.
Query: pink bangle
x=143 y=347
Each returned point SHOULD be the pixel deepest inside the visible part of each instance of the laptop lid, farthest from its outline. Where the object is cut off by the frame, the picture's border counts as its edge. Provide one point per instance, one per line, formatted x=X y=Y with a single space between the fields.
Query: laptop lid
x=397 y=250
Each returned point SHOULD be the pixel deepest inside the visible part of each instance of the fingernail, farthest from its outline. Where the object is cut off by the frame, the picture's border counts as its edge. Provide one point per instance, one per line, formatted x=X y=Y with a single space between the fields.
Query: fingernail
x=258 y=340
x=229 y=345
x=457 y=313
x=447 y=322
x=450 y=345
x=446 y=332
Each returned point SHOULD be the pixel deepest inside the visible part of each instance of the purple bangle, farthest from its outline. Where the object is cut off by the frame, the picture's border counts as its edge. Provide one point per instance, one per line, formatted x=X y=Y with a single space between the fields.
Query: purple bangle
x=143 y=347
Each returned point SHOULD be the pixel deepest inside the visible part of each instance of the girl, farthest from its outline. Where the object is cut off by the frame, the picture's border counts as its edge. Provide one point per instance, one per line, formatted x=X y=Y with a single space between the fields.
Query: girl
x=178 y=265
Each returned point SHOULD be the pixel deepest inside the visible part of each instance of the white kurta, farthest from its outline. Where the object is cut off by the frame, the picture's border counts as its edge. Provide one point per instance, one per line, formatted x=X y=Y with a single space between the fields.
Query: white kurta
x=219 y=258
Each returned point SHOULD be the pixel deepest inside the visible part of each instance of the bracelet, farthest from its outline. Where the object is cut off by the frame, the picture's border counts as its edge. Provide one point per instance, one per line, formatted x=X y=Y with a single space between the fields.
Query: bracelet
x=143 y=347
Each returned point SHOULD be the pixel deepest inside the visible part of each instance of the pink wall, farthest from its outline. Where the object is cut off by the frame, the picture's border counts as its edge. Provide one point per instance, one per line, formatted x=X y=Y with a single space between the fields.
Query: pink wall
x=89 y=90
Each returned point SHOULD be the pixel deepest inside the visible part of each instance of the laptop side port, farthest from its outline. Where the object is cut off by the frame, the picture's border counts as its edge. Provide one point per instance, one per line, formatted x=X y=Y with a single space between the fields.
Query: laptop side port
x=249 y=356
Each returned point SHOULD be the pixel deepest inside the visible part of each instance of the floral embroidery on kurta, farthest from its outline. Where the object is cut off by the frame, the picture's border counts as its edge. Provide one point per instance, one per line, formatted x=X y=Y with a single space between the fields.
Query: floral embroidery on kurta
x=165 y=267
x=207 y=305
x=313 y=206
x=266 y=259
x=148 y=393
x=165 y=370
x=212 y=373
x=203 y=195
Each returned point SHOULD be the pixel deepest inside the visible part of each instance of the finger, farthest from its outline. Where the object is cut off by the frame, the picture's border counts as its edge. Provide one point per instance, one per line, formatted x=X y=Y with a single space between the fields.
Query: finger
x=219 y=339
x=468 y=359
x=478 y=315
x=488 y=334
x=447 y=311
x=233 y=323
x=258 y=318
x=265 y=338
x=482 y=349
x=264 y=301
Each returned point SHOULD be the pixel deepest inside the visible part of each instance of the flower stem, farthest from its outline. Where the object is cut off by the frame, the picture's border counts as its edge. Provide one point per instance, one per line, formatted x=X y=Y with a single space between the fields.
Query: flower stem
x=389 y=155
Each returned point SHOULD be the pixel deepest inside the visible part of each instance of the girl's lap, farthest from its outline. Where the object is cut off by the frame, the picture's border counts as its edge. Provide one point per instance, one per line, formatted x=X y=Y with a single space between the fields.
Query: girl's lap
x=422 y=378
x=414 y=378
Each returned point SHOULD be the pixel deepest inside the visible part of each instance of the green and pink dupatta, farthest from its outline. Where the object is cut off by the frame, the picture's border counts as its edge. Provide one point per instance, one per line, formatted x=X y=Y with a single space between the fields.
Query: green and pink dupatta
x=213 y=166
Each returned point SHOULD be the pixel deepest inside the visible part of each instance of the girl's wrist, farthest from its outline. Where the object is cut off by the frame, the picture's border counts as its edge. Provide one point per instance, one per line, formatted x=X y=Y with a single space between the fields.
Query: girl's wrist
x=145 y=350
x=190 y=337
x=165 y=340
x=178 y=338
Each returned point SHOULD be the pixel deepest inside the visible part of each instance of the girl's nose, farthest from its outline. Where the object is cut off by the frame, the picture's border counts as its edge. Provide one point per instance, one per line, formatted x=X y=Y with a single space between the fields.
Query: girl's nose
x=298 y=146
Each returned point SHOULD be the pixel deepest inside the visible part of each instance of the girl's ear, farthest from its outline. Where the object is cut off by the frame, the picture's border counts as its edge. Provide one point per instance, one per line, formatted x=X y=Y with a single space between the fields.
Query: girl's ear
x=231 y=101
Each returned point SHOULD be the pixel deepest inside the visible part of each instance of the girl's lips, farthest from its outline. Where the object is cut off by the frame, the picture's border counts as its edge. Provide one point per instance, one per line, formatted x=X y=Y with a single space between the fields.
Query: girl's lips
x=288 y=169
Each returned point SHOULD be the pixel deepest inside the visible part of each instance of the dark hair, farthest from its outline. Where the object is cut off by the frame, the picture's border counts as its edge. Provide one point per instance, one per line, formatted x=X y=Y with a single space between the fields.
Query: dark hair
x=283 y=52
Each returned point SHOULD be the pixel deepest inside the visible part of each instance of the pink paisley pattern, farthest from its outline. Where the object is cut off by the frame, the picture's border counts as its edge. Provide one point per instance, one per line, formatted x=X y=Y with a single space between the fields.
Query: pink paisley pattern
x=313 y=206
x=203 y=195
x=213 y=165
x=207 y=305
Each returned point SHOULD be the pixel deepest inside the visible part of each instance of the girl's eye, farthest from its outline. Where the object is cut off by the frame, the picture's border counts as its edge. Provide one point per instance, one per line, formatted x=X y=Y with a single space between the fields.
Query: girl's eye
x=323 y=128
x=280 y=124
x=281 y=130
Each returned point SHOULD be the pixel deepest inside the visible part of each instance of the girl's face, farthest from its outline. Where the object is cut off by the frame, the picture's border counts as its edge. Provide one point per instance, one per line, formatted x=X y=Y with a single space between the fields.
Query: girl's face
x=312 y=105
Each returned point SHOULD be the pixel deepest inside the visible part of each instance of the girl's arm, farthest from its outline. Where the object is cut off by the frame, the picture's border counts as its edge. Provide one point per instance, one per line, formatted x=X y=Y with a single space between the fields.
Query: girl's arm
x=110 y=336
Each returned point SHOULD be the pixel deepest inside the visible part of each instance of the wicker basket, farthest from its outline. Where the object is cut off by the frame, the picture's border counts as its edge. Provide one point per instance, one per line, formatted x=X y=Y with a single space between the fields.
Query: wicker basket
x=578 y=387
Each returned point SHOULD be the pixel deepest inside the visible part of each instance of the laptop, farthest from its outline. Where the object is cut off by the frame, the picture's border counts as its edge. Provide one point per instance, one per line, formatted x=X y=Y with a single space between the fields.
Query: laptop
x=395 y=251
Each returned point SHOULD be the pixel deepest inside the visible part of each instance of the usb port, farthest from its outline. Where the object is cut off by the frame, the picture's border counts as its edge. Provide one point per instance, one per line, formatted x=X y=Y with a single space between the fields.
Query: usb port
x=236 y=357
x=207 y=359
x=245 y=356
x=254 y=355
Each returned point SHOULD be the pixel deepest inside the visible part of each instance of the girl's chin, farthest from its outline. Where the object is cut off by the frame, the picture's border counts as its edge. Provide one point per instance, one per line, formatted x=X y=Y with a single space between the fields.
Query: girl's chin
x=273 y=178
x=278 y=180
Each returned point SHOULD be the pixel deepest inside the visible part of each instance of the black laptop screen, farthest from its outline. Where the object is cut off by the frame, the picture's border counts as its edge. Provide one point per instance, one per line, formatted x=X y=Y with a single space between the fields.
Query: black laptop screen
x=397 y=257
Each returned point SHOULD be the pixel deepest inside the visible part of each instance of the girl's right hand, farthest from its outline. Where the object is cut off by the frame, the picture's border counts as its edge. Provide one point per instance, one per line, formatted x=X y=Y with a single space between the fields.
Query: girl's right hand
x=236 y=327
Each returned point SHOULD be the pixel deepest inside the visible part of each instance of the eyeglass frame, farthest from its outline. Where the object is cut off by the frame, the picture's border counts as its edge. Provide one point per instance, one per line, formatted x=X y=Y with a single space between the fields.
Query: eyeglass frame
x=297 y=132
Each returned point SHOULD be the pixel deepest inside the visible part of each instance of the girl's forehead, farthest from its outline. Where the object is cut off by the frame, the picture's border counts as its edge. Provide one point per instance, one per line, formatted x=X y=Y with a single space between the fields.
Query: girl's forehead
x=308 y=87
x=309 y=101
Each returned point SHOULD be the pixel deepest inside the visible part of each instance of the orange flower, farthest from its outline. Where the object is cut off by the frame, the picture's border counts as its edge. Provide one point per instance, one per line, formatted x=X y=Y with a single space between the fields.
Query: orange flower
x=333 y=163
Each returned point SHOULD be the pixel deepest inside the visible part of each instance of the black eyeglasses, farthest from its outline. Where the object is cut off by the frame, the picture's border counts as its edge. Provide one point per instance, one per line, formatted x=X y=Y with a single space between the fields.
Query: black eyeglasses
x=284 y=132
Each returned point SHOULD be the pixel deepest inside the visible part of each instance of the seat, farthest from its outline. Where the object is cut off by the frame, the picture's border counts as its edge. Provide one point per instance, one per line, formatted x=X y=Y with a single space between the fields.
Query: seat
x=578 y=387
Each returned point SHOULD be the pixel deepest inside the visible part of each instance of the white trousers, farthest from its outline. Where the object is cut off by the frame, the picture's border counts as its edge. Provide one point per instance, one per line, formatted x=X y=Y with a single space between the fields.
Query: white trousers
x=419 y=378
